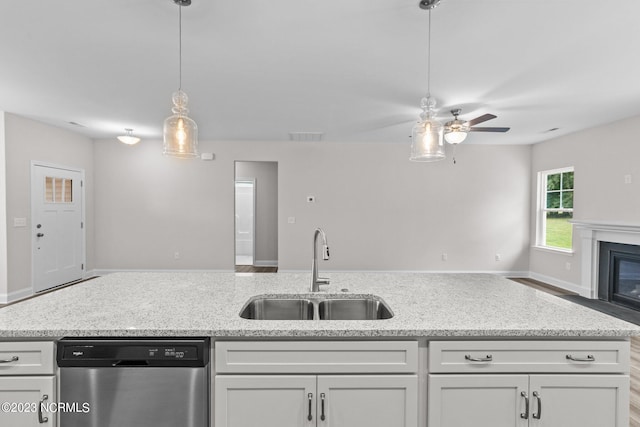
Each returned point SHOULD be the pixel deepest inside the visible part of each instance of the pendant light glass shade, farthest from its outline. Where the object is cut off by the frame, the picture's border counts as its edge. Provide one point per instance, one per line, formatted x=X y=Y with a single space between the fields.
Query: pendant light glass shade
x=180 y=131
x=427 y=144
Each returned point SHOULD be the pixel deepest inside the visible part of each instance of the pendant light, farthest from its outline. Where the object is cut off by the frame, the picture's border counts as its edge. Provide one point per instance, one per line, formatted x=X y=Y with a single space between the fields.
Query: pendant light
x=427 y=144
x=128 y=137
x=180 y=131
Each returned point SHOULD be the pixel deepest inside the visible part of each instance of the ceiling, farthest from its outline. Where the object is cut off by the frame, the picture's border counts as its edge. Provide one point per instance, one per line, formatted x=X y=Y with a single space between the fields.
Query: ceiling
x=352 y=69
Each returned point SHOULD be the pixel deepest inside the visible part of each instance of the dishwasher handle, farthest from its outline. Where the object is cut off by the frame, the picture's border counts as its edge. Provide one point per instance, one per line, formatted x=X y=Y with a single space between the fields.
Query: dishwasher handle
x=130 y=363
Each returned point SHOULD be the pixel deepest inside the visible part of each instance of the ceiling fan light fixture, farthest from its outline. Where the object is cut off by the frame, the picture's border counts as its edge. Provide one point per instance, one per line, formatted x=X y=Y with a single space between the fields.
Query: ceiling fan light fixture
x=456 y=131
x=128 y=138
x=455 y=137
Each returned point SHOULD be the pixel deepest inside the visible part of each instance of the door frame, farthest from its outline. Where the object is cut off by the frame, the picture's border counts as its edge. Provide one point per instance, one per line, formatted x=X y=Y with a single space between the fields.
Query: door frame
x=254 y=184
x=83 y=231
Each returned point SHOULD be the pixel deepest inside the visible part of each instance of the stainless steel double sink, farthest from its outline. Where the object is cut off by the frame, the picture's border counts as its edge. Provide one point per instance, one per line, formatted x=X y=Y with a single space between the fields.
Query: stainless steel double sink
x=294 y=307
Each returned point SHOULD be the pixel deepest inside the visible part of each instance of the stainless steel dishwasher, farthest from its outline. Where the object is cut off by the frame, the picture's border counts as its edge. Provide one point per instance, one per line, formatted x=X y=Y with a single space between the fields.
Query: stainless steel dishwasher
x=134 y=383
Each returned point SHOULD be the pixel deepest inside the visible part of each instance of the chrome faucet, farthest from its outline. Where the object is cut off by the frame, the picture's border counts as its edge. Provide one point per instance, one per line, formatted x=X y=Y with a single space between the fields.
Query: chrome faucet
x=315 y=280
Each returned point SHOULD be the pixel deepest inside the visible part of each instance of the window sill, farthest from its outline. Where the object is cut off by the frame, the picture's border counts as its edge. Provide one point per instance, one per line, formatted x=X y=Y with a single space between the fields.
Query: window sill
x=568 y=252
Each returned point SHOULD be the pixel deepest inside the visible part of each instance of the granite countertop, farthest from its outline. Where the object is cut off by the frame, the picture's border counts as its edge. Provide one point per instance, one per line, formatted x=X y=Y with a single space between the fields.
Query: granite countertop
x=208 y=304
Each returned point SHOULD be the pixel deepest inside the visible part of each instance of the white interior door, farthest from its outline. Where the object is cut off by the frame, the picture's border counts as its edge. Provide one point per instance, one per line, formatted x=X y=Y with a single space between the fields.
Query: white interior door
x=245 y=222
x=56 y=221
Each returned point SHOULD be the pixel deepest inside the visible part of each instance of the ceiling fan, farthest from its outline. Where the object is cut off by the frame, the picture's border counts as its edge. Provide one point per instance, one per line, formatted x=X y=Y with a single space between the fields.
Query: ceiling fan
x=456 y=130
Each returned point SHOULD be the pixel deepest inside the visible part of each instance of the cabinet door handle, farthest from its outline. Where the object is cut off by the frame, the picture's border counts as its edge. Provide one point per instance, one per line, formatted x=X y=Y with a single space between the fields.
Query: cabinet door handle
x=589 y=358
x=487 y=358
x=322 y=417
x=310 y=397
x=539 y=414
x=13 y=359
x=526 y=405
x=42 y=419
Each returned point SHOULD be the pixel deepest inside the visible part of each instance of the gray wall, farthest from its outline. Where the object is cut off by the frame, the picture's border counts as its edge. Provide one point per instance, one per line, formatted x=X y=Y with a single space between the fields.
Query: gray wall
x=601 y=156
x=266 y=210
x=380 y=211
x=28 y=140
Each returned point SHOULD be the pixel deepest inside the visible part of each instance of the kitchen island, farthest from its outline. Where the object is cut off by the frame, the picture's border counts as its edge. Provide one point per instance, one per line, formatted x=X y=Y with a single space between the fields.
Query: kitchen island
x=460 y=350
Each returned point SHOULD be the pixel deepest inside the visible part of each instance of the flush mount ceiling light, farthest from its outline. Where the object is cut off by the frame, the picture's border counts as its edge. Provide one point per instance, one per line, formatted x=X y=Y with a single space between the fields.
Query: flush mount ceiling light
x=128 y=138
x=427 y=135
x=180 y=131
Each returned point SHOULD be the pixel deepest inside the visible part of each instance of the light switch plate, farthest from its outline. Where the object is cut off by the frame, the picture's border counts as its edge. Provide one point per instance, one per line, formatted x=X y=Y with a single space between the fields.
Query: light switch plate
x=19 y=222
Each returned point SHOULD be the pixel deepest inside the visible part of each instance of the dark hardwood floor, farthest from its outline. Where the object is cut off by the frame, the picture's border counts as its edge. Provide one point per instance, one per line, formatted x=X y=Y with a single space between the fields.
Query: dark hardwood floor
x=252 y=269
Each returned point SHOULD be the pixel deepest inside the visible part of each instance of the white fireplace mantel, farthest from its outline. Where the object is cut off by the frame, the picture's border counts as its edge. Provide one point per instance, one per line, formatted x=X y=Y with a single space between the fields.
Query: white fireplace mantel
x=591 y=234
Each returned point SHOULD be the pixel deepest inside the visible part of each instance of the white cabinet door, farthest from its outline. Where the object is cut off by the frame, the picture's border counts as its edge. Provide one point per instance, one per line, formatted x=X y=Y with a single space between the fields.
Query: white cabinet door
x=265 y=401
x=580 y=400
x=21 y=397
x=478 y=400
x=367 y=401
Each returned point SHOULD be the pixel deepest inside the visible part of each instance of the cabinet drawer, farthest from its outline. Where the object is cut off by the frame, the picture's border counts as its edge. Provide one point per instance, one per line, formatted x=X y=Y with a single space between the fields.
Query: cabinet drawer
x=26 y=358
x=529 y=356
x=316 y=357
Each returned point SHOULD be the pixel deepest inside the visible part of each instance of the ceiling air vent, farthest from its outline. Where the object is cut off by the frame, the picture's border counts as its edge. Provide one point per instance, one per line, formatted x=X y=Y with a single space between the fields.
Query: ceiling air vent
x=306 y=136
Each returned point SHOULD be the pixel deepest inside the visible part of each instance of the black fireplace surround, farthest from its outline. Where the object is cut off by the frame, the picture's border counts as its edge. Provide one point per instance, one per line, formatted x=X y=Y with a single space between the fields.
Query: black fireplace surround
x=619 y=274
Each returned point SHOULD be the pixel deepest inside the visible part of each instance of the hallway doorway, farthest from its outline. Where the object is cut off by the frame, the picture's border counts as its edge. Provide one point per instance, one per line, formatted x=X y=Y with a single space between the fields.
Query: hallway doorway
x=256 y=216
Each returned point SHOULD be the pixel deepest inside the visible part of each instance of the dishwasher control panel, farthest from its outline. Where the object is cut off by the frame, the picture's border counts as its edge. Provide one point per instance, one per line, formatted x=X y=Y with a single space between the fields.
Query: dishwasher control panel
x=135 y=353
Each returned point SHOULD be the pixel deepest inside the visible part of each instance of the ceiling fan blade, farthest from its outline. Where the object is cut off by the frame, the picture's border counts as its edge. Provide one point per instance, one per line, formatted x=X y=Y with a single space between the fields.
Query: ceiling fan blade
x=485 y=129
x=481 y=119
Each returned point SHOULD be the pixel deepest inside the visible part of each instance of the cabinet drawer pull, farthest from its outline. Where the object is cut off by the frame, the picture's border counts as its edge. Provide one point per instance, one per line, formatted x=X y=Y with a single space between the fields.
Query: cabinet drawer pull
x=539 y=414
x=310 y=397
x=13 y=359
x=589 y=358
x=322 y=417
x=42 y=419
x=487 y=358
x=526 y=405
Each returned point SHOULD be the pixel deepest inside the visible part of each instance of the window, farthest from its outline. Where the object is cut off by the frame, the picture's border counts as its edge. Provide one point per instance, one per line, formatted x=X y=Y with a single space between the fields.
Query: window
x=58 y=190
x=555 y=189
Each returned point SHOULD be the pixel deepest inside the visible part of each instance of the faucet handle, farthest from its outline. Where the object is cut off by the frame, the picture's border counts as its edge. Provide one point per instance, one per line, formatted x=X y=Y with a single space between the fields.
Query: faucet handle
x=325 y=252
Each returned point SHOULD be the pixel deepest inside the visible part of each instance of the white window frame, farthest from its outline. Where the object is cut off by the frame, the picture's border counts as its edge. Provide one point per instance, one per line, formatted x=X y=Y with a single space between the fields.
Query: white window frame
x=541 y=210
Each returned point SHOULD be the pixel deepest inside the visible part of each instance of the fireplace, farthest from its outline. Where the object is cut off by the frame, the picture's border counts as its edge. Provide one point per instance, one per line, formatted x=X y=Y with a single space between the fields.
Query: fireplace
x=619 y=274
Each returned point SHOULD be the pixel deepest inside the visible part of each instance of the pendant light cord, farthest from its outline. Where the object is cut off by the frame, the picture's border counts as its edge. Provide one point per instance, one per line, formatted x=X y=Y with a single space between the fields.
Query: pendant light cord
x=180 y=47
x=429 y=57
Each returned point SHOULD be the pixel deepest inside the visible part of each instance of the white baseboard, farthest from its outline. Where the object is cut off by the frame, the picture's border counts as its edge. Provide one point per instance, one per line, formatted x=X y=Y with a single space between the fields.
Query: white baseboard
x=15 y=295
x=568 y=286
x=106 y=271
x=496 y=273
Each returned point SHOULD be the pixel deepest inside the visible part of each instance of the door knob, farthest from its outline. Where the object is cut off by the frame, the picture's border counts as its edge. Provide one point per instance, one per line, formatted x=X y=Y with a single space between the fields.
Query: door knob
x=40 y=235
